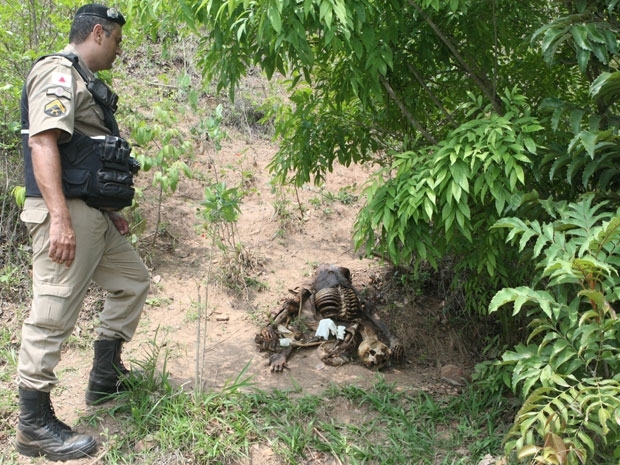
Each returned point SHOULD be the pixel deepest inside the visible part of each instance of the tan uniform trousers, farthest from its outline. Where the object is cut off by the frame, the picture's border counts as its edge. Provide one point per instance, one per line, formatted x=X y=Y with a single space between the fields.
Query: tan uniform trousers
x=102 y=255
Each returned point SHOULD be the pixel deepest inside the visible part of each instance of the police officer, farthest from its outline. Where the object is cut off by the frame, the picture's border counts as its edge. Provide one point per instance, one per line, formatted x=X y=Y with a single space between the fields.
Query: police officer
x=73 y=243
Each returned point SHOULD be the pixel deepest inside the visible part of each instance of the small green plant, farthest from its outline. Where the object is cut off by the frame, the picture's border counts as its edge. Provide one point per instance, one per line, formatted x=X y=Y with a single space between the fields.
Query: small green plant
x=194 y=312
x=261 y=315
x=161 y=148
x=283 y=212
x=414 y=279
x=248 y=178
x=9 y=276
x=14 y=253
x=158 y=301
x=220 y=211
x=14 y=277
x=8 y=352
x=316 y=202
x=345 y=195
x=567 y=372
x=209 y=129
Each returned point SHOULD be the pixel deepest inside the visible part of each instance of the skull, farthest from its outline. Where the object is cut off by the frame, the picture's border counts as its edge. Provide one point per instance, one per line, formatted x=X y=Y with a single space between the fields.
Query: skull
x=373 y=353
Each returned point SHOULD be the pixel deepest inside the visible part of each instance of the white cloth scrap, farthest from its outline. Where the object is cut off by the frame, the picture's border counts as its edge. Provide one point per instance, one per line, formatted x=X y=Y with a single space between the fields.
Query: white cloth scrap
x=325 y=328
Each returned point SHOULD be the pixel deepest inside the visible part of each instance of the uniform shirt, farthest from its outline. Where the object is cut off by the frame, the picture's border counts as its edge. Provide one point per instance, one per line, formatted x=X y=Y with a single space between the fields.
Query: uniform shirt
x=58 y=99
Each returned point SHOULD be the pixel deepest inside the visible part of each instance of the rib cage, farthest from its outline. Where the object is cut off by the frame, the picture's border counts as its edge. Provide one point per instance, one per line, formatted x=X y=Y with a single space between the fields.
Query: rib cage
x=338 y=303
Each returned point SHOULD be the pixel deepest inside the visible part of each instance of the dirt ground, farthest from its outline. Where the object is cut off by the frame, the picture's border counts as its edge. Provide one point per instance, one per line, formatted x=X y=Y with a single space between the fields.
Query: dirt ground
x=285 y=247
x=284 y=254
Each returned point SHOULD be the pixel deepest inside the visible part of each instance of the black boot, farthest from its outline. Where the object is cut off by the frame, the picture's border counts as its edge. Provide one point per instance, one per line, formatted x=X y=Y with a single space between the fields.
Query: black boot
x=39 y=432
x=108 y=369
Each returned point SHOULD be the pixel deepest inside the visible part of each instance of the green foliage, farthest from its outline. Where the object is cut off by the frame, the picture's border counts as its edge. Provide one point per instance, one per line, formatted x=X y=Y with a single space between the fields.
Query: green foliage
x=346 y=195
x=221 y=205
x=220 y=209
x=315 y=135
x=356 y=70
x=29 y=30
x=441 y=201
x=156 y=20
x=8 y=363
x=584 y=154
x=589 y=34
x=581 y=153
x=577 y=424
x=568 y=371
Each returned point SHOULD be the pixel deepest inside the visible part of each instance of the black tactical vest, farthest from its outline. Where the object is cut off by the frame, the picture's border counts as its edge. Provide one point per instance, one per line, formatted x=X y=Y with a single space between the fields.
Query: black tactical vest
x=98 y=170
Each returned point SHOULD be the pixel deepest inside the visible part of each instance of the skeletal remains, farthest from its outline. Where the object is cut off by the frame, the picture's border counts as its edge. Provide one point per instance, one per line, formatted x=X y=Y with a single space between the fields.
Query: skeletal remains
x=330 y=295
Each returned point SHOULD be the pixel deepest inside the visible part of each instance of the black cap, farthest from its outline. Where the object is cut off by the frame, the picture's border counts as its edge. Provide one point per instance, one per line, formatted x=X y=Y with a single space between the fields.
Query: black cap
x=102 y=11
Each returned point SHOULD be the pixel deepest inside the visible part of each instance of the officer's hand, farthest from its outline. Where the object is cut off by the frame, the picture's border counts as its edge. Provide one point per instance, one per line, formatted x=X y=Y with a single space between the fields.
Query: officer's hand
x=62 y=242
x=119 y=222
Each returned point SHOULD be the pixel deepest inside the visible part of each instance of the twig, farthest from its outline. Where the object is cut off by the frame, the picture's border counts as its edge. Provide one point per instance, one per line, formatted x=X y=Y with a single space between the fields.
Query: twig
x=197 y=345
x=327 y=442
x=159 y=84
x=98 y=458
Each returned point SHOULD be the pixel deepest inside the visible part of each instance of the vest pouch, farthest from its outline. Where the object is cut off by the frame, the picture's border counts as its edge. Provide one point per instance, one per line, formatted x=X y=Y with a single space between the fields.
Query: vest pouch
x=76 y=183
x=117 y=191
x=118 y=177
x=79 y=150
x=112 y=197
x=114 y=190
x=115 y=151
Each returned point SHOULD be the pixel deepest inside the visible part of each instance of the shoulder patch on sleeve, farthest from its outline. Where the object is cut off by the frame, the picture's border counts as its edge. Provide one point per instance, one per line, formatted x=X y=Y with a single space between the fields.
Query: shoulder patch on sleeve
x=59 y=91
x=62 y=79
x=55 y=108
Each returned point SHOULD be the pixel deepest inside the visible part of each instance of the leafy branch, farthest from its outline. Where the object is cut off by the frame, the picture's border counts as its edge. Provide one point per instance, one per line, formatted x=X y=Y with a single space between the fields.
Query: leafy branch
x=567 y=372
